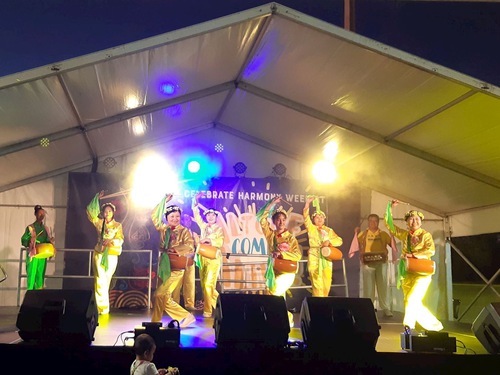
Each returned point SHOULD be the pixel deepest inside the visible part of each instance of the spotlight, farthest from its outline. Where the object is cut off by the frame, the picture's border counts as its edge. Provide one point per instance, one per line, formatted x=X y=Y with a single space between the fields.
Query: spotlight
x=279 y=170
x=109 y=162
x=324 y=172
x=194 y=166
x=168 y=88
x=239 y=169
x=44 y=142
x=219 y=147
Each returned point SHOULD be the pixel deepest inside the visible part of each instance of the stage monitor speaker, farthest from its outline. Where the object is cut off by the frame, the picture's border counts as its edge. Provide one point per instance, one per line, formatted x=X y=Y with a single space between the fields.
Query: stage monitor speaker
x=54 y=316
x=251 y=320
x=486 y=327
x=339 y=324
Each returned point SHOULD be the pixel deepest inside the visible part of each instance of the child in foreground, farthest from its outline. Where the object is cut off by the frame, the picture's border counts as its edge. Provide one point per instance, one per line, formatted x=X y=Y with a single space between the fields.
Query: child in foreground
x=144 y=348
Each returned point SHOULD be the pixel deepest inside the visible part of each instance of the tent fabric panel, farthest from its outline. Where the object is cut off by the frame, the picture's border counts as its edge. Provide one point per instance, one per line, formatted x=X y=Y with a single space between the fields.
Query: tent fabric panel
x=466 y=134
x=106 y=88
x=180 y=118
x=438 y=189
x=38 y=161
x=281 y=126
x=346 y=81
x=33 y=110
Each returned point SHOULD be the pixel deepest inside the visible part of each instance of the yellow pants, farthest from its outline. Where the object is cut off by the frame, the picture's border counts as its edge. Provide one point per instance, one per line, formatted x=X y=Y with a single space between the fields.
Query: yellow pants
x=321 y=278
x=414 y=289
x=102 y=280
x=163 y=300
x=187 y=285
x=209 y=273
x=283 y=282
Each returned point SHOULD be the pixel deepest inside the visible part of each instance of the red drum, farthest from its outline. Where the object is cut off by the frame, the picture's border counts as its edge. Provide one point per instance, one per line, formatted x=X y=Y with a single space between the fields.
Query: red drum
x=371 y=258
x=423 y=267
x=284 y=265
x=44 y=250
x=208 y=251
x=331 y=253
x=179 y=262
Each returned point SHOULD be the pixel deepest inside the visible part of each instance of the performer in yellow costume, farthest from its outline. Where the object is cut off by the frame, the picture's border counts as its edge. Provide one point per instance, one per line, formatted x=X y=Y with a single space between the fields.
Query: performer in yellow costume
x=281 y=244
x=416 y=243
x=187 y=285
x=174 y=239
x=320 y=269
x=211 y=234
x=373 y=240
x=107 y=250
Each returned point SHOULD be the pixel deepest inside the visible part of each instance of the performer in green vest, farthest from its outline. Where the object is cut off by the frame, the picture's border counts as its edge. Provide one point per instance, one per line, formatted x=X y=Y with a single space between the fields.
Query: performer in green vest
x=36 y=233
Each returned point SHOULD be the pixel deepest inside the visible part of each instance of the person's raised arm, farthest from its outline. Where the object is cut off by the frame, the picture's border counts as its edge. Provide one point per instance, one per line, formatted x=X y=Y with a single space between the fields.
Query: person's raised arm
x=159 y=211
x=93 y=208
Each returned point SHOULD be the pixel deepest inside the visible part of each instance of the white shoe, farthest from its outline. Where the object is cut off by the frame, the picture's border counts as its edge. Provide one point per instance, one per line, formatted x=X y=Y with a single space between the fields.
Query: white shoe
x=187 y=321
x=435 y=327
x=388 y=313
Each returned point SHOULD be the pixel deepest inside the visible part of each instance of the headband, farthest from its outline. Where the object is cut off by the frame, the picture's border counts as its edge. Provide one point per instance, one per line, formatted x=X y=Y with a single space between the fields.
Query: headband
x=320 y=213
x=171 y=209
x=279 y=210
x=414 y=213
x=210 y=211
x=111 y=205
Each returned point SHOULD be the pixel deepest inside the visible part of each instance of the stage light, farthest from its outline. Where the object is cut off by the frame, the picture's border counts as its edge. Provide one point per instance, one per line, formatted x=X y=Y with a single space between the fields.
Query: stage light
x=219 y=147
x=152 y=179
x=279 y=170
x=131 y=102
x=137 y=126
x=168 y=88
x=194 y=167
x=324 y=172
x=330 y=151
x=199 y=162
x=109 y=162
x=44 y=142
x=239 y=169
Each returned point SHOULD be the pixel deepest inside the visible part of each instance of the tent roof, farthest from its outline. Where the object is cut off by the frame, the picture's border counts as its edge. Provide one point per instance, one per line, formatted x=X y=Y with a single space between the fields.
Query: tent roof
x=275 y=77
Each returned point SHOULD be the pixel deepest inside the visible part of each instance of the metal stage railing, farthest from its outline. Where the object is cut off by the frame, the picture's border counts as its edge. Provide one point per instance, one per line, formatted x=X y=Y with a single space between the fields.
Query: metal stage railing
x=22 y=260
x=221 y=280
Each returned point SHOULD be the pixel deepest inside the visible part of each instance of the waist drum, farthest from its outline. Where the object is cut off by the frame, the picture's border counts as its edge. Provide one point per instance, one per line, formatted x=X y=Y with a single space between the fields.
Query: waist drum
x=179 y=262
x=331 y=253
x=208 y=251
x=284 y=265
x=423 y=267
x=44 y=250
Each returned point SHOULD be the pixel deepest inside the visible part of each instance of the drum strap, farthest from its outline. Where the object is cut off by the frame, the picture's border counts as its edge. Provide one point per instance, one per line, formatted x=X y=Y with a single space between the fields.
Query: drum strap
x=104 y=258
x=270 y=275
x=322 y=260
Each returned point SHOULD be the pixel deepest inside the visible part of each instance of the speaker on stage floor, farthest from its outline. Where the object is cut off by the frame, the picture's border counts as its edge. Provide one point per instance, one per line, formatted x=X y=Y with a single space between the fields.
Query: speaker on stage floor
x=486 y=327
x=339 y=324
x=53 y=316
x=251 y=320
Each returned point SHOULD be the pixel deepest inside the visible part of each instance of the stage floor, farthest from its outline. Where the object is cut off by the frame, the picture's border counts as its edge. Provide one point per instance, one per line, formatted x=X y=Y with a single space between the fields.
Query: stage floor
x=117 y=329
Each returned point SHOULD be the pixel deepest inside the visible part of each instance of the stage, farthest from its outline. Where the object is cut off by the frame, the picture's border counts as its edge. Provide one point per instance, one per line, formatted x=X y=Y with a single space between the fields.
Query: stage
x=111 y=350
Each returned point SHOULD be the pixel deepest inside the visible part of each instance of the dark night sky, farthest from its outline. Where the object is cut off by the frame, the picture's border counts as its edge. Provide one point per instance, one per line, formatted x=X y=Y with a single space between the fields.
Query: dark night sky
x=463 y=36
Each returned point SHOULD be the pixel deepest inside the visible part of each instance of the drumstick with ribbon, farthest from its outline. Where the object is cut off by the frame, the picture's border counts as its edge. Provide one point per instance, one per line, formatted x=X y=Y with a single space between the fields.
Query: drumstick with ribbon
x=117 y=194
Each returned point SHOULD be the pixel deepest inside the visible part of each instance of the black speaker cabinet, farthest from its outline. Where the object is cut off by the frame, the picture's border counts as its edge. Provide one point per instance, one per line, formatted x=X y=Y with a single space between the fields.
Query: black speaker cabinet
x=339 y=324
x=486 y=327
x=251 y=320
x=54 y=316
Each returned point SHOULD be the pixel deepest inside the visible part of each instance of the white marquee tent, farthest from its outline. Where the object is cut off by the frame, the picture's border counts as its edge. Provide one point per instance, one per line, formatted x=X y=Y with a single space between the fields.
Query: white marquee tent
x=272 y=85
